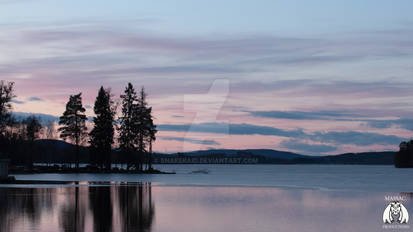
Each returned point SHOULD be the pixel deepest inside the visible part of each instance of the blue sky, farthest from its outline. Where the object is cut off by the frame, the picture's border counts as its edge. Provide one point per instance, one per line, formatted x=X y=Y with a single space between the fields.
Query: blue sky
x=328 y=76
x=187 y=17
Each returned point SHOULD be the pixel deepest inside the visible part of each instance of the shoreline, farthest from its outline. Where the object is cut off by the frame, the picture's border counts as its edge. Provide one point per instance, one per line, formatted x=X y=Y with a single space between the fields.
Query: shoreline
x=12 y=180
x=90 y=172
x=83 y=170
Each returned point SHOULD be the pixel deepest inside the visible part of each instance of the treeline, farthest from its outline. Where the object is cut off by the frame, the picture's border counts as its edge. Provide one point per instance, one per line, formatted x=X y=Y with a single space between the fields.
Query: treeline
x=133 y=131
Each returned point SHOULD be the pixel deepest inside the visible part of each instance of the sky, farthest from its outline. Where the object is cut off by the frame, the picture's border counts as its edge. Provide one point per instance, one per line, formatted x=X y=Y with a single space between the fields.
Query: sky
x=314 y=77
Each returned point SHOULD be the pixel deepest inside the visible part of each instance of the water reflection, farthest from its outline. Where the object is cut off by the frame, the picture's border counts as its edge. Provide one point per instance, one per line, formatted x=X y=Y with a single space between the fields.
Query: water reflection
x=73 y=211
x=130 y=207
x=136 y=208
x=80 y=208
x=22 y=203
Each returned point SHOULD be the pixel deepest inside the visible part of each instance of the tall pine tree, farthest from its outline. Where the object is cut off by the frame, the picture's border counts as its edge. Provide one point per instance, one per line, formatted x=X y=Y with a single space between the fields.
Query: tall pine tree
x=127 y=139
x=145 y=130
x=73 y=122
x=101 y=136
x=151 y=128
x=137 y=130
x=140 y=120
x=6 y=95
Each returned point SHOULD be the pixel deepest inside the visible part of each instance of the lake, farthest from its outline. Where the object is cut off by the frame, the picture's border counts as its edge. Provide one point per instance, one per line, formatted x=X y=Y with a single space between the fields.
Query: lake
x=210 y=198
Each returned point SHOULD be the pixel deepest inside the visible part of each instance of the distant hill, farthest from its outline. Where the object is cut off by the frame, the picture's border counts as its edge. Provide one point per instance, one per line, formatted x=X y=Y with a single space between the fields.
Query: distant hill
x=57 y=150
x=282 y=157
x=378 y=158
x=53 y=142
x=267 y=153
x=386 y=157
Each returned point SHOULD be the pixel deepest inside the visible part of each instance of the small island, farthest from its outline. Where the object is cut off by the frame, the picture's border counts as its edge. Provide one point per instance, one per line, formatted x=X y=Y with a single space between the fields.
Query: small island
x=89 y=143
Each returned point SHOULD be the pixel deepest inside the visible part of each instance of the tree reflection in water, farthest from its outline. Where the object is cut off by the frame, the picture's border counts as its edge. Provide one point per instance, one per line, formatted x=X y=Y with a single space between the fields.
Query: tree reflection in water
x=73 y=210
x=136 y=208
x=116 y=207
x=23 y=204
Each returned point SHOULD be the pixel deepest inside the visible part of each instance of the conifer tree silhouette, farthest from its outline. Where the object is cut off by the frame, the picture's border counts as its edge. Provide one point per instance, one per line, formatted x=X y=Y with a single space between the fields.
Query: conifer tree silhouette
x=101 y=136
x=73 y=122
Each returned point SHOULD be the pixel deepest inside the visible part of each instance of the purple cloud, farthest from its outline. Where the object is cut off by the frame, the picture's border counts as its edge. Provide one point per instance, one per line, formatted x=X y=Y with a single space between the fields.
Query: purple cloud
x=34 y=99
x=300 y=146
x=190 y=140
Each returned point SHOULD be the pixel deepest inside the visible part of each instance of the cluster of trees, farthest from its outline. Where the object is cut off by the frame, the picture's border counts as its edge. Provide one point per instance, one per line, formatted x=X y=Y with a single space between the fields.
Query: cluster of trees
x=404 y=158
x=16 y=137
x=135 y=129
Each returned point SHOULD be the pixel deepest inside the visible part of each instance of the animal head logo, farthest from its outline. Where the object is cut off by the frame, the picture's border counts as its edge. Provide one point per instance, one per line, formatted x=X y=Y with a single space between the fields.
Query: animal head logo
x=395 y=212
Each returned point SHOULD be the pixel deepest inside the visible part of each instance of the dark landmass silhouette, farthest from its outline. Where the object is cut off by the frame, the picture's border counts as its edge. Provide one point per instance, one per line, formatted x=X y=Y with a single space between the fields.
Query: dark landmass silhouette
x=267 y=153
x=404 y=157
x=268 y=156
x=58 y=151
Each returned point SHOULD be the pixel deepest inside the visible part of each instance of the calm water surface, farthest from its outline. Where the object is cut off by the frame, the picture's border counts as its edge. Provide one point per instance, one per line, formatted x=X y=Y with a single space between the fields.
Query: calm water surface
x=239 y=198
x=323 y=177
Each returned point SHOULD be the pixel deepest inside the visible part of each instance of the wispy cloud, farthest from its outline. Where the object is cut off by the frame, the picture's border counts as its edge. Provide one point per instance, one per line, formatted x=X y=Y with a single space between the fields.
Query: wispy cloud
x=34 y=99
x=231 y=129
x=190 y=140
x=17 y=101
x=367 y=119
x=405 y=123
x=334 y=137
x=355 y=138
x=297 y=145
x=302 y=115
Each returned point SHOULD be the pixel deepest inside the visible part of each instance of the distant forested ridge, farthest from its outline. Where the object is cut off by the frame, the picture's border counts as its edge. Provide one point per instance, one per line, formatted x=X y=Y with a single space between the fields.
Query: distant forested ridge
x=268 y=156
x=50 y=151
